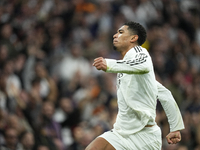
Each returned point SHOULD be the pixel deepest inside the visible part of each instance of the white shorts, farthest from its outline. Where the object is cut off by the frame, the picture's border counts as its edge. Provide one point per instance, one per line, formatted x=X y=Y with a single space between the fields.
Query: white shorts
x=148 y=138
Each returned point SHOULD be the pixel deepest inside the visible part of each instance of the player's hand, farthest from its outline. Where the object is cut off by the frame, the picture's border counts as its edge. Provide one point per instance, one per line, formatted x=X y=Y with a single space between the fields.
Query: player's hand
x=173 y=137
x=100 y=63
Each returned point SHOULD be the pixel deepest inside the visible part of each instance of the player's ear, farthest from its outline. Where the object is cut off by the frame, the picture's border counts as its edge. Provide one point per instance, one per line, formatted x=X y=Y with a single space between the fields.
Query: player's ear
x=134 y=38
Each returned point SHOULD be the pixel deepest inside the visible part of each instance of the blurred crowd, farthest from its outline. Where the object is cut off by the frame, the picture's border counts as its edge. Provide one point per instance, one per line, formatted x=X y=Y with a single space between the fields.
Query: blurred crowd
x=52 y=98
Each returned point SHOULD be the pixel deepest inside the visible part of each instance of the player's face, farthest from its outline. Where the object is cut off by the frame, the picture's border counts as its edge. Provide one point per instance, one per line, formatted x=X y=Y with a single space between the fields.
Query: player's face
x=121 y=40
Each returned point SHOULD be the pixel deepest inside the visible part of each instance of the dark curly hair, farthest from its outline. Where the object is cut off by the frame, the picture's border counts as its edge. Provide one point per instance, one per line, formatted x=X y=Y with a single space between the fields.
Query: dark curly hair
x=138 y=29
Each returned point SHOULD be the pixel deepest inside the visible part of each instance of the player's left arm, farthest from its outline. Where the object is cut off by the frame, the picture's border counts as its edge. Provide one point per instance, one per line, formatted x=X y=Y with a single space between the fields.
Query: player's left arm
x=137 y=64
x=100 y=63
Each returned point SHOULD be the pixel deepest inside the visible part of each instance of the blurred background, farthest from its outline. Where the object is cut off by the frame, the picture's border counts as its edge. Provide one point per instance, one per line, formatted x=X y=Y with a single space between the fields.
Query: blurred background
x=52 y=98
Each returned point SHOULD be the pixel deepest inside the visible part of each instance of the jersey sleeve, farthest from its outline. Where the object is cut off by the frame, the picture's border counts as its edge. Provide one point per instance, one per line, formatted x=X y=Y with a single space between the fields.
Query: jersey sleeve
x=171 y=108
x=136 y=64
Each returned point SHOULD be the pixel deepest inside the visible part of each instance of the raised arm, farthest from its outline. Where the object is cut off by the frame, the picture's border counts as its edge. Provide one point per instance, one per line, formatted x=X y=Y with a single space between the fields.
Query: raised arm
x=172 y=112
x=139 y=63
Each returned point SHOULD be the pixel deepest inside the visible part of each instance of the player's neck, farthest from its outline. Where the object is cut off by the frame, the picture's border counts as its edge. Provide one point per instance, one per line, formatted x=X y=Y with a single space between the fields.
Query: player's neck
x=123 y=53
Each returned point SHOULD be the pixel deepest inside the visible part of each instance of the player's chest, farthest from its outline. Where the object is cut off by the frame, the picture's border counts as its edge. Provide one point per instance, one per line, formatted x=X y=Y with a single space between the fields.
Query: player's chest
x=122 y=80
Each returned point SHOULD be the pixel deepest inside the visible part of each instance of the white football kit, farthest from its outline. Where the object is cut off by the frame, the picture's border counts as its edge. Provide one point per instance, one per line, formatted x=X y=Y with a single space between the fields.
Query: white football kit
x=137 y=94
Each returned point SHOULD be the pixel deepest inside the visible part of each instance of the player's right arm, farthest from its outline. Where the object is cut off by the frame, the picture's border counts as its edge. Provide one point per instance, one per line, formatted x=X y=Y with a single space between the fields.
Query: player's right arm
x=172 y=112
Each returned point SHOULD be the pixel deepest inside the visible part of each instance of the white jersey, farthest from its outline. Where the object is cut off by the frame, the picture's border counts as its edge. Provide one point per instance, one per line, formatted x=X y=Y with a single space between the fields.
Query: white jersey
x=138 y=91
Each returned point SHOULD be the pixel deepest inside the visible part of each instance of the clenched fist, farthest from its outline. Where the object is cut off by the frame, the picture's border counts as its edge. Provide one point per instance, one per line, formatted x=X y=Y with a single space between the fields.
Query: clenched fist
x=100 y=63
x=173 y=137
